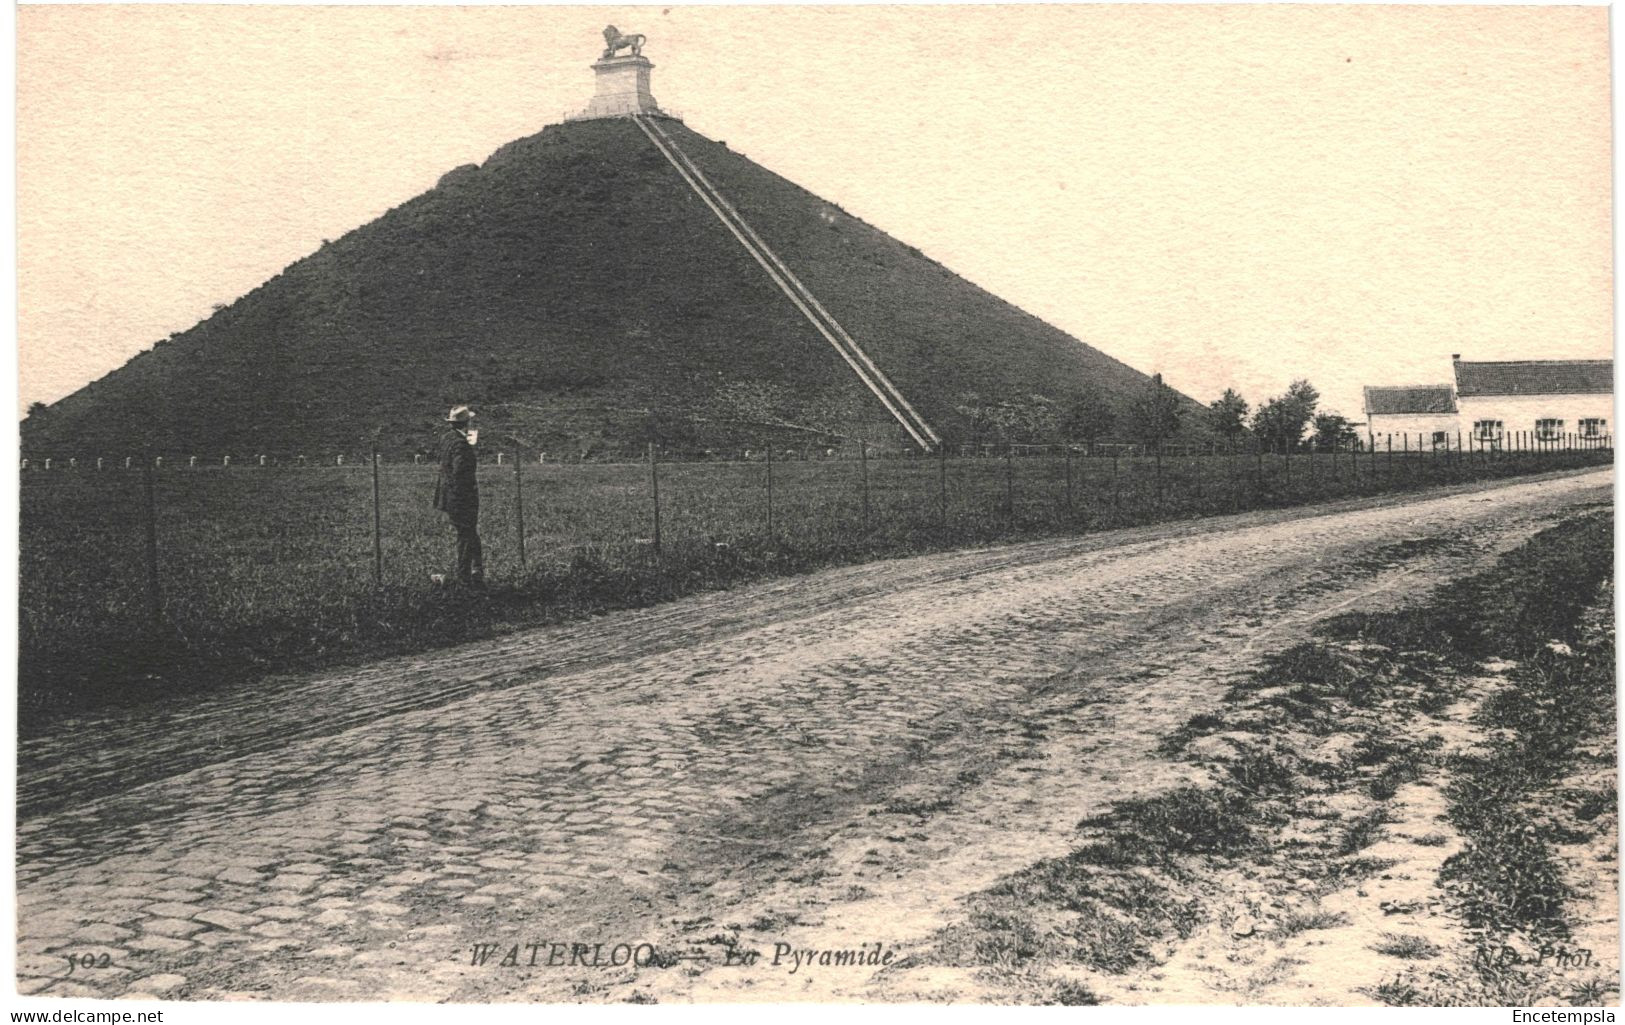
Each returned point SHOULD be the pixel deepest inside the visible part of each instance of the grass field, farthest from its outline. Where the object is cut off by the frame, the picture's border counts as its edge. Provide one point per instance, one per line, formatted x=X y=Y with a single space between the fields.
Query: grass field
x=273 y=568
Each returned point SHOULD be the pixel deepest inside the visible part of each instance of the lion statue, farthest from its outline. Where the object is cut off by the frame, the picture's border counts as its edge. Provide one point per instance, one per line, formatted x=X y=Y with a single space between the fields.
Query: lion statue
x=613 y=40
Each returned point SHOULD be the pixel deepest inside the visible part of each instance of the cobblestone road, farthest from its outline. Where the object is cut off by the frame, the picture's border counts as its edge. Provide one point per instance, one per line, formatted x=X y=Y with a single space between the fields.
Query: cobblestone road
x=826 y=760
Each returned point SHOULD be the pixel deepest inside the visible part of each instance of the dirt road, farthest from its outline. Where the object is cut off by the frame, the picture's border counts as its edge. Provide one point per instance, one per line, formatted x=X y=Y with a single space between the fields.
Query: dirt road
x=816 y=763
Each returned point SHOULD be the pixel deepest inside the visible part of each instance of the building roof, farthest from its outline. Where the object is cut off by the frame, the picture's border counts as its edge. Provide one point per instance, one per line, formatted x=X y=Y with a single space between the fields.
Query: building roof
x=1410 y=398
x=1536 y=377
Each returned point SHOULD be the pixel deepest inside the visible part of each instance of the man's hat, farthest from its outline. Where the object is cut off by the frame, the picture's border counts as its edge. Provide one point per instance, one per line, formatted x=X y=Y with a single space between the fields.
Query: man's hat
x=459 y=415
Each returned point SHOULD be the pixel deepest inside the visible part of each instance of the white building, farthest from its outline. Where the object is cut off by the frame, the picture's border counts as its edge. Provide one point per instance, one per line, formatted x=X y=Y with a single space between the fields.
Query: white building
x=1505 y=404
x=1412 y=416
x=1536 y=401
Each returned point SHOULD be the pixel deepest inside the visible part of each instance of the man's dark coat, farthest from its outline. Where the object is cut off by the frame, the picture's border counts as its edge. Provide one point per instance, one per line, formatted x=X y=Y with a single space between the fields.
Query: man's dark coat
x=456 y=492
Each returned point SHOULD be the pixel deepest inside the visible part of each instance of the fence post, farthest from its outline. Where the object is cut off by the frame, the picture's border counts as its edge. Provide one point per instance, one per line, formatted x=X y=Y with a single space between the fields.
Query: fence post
x=154 y=600
x=1068 y=477
x=654 y=492
x=770 y=489
x=1009 y=480
x=1258 y=447
x=1117 y=486
x=942 y=484
x=863 y=459
x=377 y=525
x=1157 y=509
x=519 y=498
x=1235 y=492
x=1196 y=480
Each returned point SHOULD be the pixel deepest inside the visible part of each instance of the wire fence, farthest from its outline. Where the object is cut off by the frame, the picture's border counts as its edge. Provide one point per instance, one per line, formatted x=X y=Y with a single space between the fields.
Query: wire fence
x=152 y=571
x=143 y=536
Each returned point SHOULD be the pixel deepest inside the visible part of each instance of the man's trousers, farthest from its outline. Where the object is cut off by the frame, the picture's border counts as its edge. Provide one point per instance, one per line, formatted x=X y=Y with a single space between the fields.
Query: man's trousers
x=470 y=556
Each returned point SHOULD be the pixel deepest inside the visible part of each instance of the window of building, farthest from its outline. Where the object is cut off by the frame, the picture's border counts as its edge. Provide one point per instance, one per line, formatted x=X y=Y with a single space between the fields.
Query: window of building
x=1593 y=427
x=1549 y=430
x=1441 y=437
x=1487 y=430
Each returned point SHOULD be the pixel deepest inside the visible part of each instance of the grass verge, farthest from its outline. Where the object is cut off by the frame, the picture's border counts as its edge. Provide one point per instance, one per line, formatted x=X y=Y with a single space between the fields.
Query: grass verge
x=1306 y=755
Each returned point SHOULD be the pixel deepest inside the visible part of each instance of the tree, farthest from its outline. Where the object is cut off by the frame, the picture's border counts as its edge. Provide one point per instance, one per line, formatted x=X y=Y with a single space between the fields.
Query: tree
x=1227 y=414
x=1304 y=395
x=1334 y=432
x=1281 y=421
x=1272 y=425
x=1088 y=418
x=1154 y=413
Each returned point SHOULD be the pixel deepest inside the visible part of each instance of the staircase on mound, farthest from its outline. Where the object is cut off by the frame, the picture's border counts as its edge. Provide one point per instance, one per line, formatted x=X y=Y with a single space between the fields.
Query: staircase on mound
x=798 y=294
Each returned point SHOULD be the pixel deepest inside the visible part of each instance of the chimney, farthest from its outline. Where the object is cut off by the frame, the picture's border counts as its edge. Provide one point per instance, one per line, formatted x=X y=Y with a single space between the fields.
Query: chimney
x=1455 y=357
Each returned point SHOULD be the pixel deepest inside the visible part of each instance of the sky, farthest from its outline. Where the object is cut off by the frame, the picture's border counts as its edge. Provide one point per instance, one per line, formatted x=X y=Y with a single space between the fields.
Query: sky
x=1235 y=196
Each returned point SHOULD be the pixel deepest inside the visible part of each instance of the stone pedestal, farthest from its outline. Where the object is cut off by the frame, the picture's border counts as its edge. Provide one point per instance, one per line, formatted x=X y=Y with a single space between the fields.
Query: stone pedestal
x=622 y=89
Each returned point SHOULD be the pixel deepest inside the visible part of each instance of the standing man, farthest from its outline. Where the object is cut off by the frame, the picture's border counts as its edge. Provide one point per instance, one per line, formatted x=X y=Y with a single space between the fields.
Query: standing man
x=457 y=493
